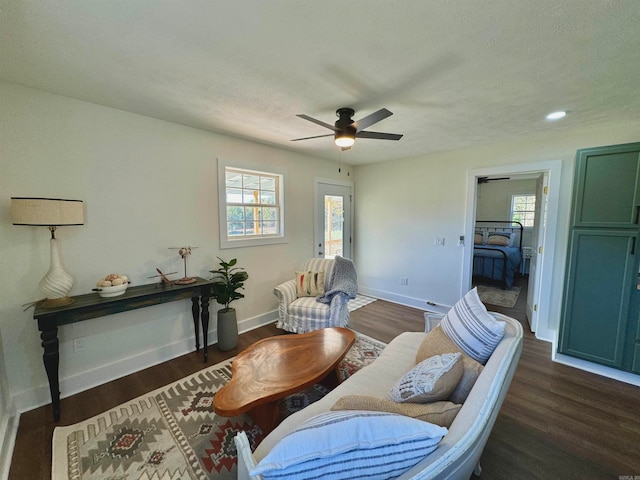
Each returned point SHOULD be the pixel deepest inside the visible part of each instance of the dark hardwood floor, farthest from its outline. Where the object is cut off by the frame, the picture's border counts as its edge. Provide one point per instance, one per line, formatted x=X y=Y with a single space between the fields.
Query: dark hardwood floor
x=556 y=422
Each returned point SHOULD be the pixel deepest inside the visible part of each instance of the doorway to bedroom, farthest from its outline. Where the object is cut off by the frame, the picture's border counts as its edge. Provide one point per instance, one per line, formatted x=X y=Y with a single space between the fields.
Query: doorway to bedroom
x=519 y=193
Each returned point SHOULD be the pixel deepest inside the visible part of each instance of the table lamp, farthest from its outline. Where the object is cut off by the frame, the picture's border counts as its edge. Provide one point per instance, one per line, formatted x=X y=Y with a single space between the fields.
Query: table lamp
x=51 y=213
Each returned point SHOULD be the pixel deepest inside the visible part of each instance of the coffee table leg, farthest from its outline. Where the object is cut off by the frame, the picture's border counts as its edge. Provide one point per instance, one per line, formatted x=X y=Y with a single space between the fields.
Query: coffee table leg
x=266 y=416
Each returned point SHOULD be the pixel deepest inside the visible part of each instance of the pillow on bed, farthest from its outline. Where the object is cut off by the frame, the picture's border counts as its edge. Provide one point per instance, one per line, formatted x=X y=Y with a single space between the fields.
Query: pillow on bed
x=372 y=445
x=438 y=413
x=472 y=328
x=499 y=238
x=478 y=238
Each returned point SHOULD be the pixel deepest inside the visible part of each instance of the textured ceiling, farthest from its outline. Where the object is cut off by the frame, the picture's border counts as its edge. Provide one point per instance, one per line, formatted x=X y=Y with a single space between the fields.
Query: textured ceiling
x=455 y=73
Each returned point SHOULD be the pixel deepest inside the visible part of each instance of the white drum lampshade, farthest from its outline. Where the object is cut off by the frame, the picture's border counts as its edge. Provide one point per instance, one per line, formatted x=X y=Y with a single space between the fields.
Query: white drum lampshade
x=51 y=213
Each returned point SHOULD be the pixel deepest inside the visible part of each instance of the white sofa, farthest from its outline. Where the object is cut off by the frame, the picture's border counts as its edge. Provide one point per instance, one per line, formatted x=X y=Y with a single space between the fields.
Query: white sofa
x=458 y=454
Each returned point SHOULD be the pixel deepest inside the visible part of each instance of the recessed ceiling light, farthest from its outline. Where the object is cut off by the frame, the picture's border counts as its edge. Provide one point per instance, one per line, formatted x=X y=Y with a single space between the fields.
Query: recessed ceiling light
x=556 y=115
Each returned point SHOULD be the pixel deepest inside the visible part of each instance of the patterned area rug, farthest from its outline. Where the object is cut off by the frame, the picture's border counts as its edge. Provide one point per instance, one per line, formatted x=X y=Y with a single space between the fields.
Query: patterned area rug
x=359 y=301
x=172 y=433
x=497 y=296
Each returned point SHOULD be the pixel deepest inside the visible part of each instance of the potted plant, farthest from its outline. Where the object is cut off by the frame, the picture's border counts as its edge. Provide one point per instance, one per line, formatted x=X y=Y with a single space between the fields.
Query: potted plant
x=227 y=281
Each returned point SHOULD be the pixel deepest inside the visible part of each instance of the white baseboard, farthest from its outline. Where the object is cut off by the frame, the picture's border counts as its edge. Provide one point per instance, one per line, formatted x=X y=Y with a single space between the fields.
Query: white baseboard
x=8 y=429
x=418 y=303
x=38 y=396
x=608 y=372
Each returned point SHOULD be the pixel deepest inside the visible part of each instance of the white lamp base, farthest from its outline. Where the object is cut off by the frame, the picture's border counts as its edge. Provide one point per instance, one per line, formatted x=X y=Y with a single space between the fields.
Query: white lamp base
x=57 y=283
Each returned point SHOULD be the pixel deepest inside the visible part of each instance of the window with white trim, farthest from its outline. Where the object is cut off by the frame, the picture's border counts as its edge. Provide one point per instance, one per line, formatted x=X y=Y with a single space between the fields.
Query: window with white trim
x=251 y=207
x=523 y=209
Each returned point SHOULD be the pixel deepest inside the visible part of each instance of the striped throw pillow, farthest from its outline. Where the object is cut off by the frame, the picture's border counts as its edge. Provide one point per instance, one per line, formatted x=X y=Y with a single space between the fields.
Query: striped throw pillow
x=472 y=328
x=351 y=444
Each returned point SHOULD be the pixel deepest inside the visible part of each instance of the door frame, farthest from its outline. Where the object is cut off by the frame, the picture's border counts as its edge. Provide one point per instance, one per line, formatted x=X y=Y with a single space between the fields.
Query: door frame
x=545 y=266
x=319 y=213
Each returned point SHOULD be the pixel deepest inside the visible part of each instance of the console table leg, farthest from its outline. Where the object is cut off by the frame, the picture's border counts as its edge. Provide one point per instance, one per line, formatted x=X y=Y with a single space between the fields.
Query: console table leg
x=51 y=358
x=204 y=318
x=195 y=311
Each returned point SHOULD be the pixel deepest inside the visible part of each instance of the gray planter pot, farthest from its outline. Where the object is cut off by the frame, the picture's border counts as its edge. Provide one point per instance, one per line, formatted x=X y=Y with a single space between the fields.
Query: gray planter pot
x=227 y=329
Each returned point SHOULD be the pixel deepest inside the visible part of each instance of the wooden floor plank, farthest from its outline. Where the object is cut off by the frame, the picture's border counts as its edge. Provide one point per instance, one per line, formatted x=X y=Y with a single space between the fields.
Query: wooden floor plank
x=556 y=422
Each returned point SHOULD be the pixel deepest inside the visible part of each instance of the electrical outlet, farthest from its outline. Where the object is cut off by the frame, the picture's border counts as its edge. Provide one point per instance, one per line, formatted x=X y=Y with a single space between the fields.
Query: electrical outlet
x=79 y=345
x=440 y=241
x=404 y=281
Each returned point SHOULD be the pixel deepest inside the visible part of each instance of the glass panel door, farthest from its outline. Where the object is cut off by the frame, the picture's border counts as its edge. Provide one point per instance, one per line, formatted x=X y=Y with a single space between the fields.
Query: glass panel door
x=333 y=227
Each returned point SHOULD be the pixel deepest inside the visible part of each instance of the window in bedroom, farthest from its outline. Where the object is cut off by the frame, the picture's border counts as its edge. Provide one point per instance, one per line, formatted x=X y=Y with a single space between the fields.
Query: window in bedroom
x=523 y=209
x=251 y=207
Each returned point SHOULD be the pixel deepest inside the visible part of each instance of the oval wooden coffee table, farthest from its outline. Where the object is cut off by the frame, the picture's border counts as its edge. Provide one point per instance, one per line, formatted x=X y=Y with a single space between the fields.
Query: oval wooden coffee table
x=275 y=367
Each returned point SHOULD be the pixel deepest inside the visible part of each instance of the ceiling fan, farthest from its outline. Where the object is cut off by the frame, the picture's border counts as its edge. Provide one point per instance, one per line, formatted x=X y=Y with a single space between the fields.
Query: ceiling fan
x=346 y=130
x=487 y=179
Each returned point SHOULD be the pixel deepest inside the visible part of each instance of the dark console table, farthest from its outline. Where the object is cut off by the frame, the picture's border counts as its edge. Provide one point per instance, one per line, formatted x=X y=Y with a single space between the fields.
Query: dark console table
x=92 y=305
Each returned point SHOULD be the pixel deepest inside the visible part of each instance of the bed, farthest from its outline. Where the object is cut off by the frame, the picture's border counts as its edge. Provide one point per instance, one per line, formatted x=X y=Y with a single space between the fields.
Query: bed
x=497 y=251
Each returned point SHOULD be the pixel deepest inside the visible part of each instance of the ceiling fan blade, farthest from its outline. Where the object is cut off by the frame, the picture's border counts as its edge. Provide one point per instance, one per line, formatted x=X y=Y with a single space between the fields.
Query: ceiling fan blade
x=317 y=122
x=309 y=138
x=487 y=179
x=369 y=120
x=379 y=135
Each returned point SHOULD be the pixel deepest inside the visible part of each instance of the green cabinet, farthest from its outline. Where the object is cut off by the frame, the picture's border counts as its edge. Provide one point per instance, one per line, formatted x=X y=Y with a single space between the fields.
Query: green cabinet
x=606 y=190
x=601 y=303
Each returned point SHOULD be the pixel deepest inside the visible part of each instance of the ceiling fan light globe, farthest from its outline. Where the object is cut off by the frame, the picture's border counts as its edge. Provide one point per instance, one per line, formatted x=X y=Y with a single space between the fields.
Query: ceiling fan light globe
x=344 y=141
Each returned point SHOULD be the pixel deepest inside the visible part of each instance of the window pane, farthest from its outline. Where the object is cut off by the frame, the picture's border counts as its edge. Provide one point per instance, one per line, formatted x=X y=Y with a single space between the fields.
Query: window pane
x=268 y=198
x=235 y=229
x=269 y=228
x=269 y=213
x=233 y=179
x=249 y=213
x=268 y=183
x=235 y=214
x=249 y=196
x=234 y=195
x=251 y=182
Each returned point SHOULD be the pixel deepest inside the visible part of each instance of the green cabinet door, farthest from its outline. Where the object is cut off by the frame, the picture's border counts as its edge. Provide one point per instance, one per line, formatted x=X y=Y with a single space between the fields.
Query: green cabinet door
x=606 y=189
x=601 y=276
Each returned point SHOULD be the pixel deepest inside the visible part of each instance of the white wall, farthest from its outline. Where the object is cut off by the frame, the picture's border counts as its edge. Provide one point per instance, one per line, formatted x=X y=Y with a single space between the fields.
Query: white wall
x=147 y=185
x=402 y=206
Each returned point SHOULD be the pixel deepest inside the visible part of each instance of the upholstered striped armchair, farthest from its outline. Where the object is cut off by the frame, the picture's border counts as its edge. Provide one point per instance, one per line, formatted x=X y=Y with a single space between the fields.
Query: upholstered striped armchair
x=305 y=314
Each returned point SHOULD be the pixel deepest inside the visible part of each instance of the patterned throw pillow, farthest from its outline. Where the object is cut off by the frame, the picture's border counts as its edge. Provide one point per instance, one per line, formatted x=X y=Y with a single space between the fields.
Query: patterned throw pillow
x=437 y=343
x=309 y=284
x=438 y=413
x=372 y=445
x=472 y=328
x=431 y=380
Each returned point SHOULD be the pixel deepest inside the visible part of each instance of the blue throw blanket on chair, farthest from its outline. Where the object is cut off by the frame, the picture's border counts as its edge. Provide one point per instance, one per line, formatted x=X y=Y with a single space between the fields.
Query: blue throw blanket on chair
x=344 y=281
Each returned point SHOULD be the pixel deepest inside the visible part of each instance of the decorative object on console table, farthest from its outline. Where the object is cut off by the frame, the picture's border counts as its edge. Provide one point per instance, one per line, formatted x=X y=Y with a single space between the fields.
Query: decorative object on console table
x=51 y=213
x=184 y=252
x=164 y=279
x=92 y=306
x=112 y=285
x=227 y=281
